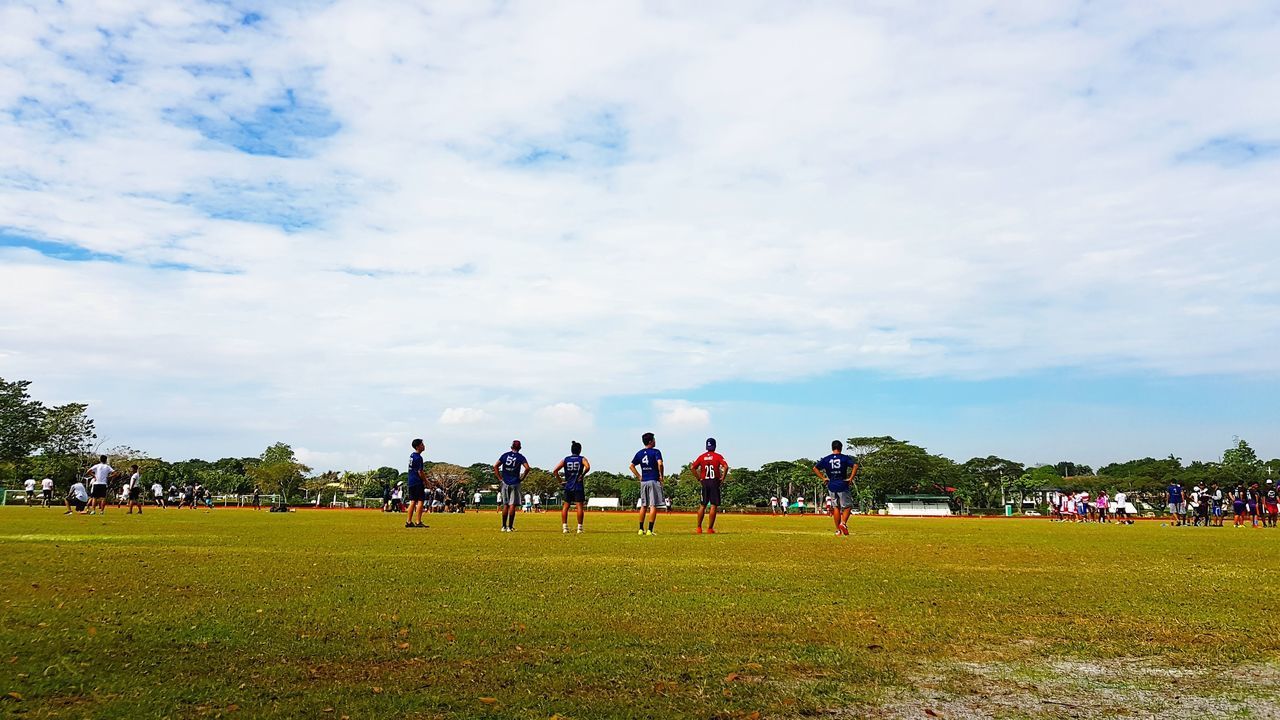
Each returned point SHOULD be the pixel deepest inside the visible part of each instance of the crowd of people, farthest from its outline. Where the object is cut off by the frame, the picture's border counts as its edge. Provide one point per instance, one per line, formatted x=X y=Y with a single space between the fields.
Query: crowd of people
x=1253 y=505
x=91 y=494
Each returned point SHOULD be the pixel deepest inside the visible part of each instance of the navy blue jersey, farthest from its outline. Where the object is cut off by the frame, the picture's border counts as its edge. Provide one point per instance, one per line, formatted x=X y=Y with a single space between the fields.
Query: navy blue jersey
x=511 y=463
x=838 y=469
x=573 y=467
x=1175 y=493
x=647 y=460
x=415 y=469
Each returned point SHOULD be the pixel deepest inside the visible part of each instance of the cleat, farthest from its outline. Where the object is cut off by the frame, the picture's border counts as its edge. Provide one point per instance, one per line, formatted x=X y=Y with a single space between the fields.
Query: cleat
x=652 y=533
x=697 y=531
x=711 y=531
x=565 y=530
x=642 y=531
x=579 y=531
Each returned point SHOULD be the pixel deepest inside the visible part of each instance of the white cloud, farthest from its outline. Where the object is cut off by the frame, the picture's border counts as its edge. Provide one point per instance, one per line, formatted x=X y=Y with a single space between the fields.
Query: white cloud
x=565 y=415
x=462 y=416
x=681 y=415
x=717 y=195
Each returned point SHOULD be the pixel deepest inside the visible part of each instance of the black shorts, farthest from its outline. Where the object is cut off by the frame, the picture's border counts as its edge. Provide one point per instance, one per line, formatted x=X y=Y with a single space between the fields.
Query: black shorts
x=97 y=491
x=575 y=496
x=417 y=493
x=77 y=504
x=711 y=494
x=135 y=493
x=48 y=494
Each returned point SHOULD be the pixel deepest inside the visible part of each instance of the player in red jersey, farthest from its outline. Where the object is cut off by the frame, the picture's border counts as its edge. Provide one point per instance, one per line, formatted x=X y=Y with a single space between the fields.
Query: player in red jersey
x=711 y=470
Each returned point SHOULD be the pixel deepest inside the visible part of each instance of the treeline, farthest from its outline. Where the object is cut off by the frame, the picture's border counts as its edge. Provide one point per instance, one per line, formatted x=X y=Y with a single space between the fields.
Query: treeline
x=59 y=442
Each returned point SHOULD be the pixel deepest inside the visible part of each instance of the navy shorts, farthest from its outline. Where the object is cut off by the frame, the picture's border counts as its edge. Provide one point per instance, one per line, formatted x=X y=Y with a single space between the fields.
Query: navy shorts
x=711 y=494
x=575 y=496
x=417 y=493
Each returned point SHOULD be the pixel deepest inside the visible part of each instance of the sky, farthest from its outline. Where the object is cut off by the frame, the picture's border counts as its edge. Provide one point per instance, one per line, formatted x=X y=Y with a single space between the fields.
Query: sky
x=1043 y=230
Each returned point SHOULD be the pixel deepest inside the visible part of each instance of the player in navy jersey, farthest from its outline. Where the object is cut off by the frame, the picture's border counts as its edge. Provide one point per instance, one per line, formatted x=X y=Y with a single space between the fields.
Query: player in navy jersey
x=510 y=469
x=711 y=470
x=572 y=470
x=647 y=467
x=836 y=470
x=417 y=484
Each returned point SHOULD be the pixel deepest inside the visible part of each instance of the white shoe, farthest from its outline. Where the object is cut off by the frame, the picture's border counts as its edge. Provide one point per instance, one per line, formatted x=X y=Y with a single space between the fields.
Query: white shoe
x=504 y=528
x=565 y=529
x=579 y=531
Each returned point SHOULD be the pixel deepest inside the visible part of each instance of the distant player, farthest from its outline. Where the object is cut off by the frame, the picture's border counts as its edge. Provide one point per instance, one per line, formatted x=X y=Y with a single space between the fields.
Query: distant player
x=1177 y=503
x=98 y=490
x=29 y=485
x=1270 y=505
x=711 y=470
x=133 y=487
x=773 y=504
x=46 y=491
x=510 y=470
x=417 y=484
x=77 y=498
x=836 y=470
x=157 y=494
x=784 y=502
x=647 y=467
x=572 y=471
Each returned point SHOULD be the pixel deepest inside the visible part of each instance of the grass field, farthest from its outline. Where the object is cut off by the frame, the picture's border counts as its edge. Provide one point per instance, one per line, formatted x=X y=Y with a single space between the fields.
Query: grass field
x=330 y=614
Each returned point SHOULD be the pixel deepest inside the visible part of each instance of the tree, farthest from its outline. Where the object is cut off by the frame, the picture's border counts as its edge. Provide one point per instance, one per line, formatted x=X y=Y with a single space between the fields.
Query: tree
x=987 y=482
x=447 y=476
x=1241 y=463
x=20 y=421
x=867 y=444
x=279 y=469
x=67 y=437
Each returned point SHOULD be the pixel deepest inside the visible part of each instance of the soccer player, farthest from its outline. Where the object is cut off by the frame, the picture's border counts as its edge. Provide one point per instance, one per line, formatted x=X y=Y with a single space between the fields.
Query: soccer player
x=646 y=466
x=711 y=470
x=1177 y=506
x=836 y=470
x=29 y=485
x=773 y=504
x=510 y=471
x=417 y=484
x=157 y=494
x=1254 y=503
x=1270 y=505
x=98 y=490
x=1215 y=499
x=134 y=489
x=572 y=470
x=785 y=504
x=46 y=491
x=77 y=498
x=1237 y=497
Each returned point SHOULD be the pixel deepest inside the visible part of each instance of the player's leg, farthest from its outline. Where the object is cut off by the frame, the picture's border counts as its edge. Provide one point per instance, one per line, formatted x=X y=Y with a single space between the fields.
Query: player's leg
x=711 y=517
x=702 y=509
x=564 y=514
x=581 y=513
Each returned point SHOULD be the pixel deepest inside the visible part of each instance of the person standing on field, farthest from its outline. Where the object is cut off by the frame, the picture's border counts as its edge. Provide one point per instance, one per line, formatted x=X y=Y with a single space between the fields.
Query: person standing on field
x=417 y=484
x=46 y=491
x=572 y=471
x=98 y=490
x=29 y=486
x=711 y=470
x=510 y=471
x=134 y=489
x=157 y=494
x=647 y=467
x=836 y=470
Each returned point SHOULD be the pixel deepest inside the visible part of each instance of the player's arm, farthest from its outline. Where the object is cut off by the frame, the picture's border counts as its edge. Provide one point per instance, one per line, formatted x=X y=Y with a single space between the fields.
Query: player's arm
x=497 y=469
x=559 y=469
x=586 y=468
x=634 y=471
x=661 y=473
x=525 y=472
x=724 y=471
x=854 y=472
x=818 y=472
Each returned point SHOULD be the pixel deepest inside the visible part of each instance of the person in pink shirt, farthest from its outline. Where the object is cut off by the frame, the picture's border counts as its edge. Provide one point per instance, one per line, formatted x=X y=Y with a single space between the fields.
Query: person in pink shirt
x=1102 y=504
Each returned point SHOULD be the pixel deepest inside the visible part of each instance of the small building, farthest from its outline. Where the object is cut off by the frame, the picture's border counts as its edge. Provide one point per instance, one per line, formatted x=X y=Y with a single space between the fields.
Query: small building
x=918 y=505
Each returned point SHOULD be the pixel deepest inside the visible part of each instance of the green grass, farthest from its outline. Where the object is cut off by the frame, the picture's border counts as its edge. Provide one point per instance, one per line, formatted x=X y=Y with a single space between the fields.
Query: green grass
x=325 y=614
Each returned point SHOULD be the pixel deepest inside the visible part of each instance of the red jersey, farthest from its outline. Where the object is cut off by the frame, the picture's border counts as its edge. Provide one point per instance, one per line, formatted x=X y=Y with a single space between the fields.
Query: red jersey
x=709 y=467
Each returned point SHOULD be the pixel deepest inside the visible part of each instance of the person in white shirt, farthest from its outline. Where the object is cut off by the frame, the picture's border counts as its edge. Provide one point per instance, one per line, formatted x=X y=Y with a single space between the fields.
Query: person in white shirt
x=77 y=499
x=157 y=494
x=1121 y=513
x=783 y=500
x=30 y=487
x=800 y=505
x=537 y=502
x=134 y=489
x=528 y=502
x=773 y=504
x=98 y=490
x=46 y=491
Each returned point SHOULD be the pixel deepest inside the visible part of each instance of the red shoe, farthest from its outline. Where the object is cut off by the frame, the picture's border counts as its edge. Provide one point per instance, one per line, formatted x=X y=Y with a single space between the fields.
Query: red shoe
x=697 y=531
x=711 y=531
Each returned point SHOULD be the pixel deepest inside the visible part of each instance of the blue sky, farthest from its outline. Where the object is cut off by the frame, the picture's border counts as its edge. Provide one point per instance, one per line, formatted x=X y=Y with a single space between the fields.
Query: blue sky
x=1045 y=231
